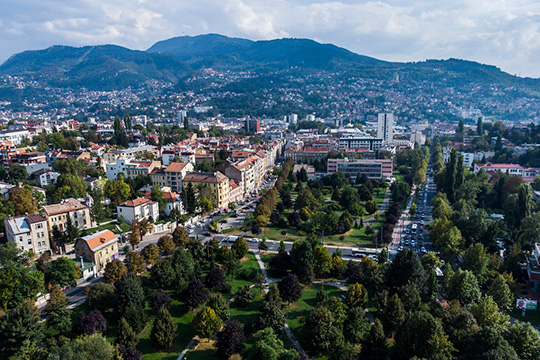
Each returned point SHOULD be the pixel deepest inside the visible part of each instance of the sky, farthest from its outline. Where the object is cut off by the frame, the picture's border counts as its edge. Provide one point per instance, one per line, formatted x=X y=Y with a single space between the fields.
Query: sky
x=495 y=32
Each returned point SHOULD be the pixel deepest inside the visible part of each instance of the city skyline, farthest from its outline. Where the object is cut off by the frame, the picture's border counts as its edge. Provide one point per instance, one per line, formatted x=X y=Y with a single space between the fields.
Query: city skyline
x=496 y=33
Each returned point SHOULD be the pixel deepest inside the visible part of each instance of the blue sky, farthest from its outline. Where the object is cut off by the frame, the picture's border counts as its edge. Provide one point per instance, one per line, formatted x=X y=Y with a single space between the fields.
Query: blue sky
x=501 y=33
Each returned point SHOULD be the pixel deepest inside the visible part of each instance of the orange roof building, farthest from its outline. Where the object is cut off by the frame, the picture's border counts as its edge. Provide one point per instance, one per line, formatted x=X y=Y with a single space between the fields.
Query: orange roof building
x=99 y=248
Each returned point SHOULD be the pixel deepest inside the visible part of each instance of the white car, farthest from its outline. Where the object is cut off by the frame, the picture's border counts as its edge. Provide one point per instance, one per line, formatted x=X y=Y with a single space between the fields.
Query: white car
x=253 y=240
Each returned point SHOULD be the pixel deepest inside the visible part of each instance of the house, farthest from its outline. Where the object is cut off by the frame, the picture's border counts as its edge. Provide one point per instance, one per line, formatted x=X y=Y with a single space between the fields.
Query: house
x=45 y=177
x=28 y=232
x=57 y=214
x=138 y=209
x=99 y=248
x=88 y=268
x=174 y=201
x=175 y=172
x=217 y=182
x=236 y=193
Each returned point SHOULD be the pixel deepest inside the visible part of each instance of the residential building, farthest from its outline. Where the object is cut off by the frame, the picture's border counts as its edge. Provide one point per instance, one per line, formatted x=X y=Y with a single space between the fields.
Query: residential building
x=367 y=143
x=158 y=177
x=99 y=248
x=45 y=177
x=251 y=125
x=27 y=158
x=135 y=168
x=236 y=191
x=307 y=155
x=57 y=214
x=175 y=172
x=138 y=209
x=242 y=171
x=15 y=136
x=112 y=156
x=372 y=168
x=385 y=127
x=529 y=174
x=218 y=183
x=28 y=232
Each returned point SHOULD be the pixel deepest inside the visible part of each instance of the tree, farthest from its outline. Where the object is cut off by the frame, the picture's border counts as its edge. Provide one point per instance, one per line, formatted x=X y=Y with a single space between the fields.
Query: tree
x=475 y=259
x=319 y=331
x=501 y=293
x=230 y=340
x=100 y=297
x=58 y=314
x=371 y=207
x=130 y=353
x=215 y=279
x=450 y=242
x=302 y=260
x=479 y=126
x=206 y=323
x=119 y=138
x=189 y=200
x=281 y=248
x=164 y=330
x=162 y=274
x=271 y=315
x=125 y=336
x=114 y=271
x=183 y=265
x=357 y=296
x=180 y=236
x=405 y=267
x=487 y=314
x=93 y=322
x=117 y=190
x=463 y=286
x=524 y=339
x=374 y=347
x=129 y=292
x=289 y=289
x=136 y=317
x=150 y=253
x=356 y=326
x=166 y=245
x=394 y=315
x=18 y=278
x=240 y=247
x=267 y=345
x=97 y=212
x=338 y=265
x=93 y=346
x=135 y=237
x=218 y=303
x=160 y=299
x=63 y=271
x=243 y=296
x=430 y=261
x=20 y=326
x=195 y=293
x=323 y=260
x=135 y=262
x=23 y=202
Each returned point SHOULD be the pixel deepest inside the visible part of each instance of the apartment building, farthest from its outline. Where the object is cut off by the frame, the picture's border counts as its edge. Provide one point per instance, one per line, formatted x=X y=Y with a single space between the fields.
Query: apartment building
x=135 y=168
x=112 y=156
x=373 y=169
x=138 y=209
x=99 y=248
x=218 y=183
x=28 y=232
x=368 y=143
x=57 y=214
x=242 y=171
x=175 y=172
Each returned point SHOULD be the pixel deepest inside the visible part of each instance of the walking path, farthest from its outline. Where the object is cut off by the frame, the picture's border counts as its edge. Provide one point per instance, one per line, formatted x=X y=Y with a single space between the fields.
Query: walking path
x=382 y=208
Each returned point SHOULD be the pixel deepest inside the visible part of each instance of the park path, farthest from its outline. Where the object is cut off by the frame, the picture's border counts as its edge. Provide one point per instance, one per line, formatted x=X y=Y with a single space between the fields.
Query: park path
x=287 y=329
x=382 y=208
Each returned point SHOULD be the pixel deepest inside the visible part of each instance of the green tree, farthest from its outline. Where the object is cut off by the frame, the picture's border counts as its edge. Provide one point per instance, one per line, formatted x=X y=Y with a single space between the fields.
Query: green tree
x=58 y=314
x=100 y=297
x=125 y=336
x=93 y=346
x=319 y=331
x=63 y=271
x=206 y=323
x=463 y=286
x=72 y=233
x=129 y=292
x=394 y=315
x=119 y=138
x=217 y=302
x=164 y=329
x=356 y=326
x=17 y=173
x=302 y=260
x=323 y=260
x=134 y=262
x=114 y=271
x=271 y=315
x=23 y=202
x=357 y=296
x=475 y=259
x=450 y=242
x=487 y=314
x=240 y=247
x=268 y=346
x=117 y=190
x=501 y=293
x=166 y=245
x=374 y=347
x=180 y=236
x=524 y=339
x=150 y=253
x=20 y=327
x=406 y=267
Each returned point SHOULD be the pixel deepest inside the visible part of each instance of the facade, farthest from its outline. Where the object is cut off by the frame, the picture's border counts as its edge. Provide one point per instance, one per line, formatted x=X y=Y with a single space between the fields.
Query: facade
x=236 y=192
x=112 y=156
x=27 y=158
x=511 y=169
x=366 y=143
x=99 y=248
x=307 y=155
x=28 y=232
x=45 y=177
x=252 y=125
x=373 y=169
x=138 y=209
x=175 y=172
x=242 y=171
x=217 y=182
x=135 y=168
x=15 y=136
x=385 y=127
x=57 y=214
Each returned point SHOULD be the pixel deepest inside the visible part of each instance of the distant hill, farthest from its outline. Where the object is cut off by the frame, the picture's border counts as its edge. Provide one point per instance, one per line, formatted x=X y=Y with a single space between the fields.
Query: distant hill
x=171 y=61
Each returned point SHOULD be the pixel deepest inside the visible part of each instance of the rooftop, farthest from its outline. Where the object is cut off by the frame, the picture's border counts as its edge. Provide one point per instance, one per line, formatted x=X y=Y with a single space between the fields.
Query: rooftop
x=205 y=177
x=97 y=240
x=136 y=202
x=65 y=206
x=176 y=166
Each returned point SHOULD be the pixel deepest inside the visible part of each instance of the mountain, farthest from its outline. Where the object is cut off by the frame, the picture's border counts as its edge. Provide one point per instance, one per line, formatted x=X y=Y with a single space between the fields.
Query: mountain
x=172 y=61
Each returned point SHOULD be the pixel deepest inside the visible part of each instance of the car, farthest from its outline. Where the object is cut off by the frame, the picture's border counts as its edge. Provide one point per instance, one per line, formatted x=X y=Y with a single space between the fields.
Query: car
x=224 y=221
x=423 y=250
x=234 y=215
x=189 y=231
x=373 y=257
x=400 y=248
x=421 y=228
x=253 y=240
x=407 y=242
x=207 y=233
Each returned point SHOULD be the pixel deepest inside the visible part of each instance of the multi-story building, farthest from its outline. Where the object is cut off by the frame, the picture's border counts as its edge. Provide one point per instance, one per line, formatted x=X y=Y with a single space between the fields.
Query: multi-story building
x=15 y=136
x=27 y=158
x=251 y=125
x=236 y=192
x=168 y=156
x=367 y=143
x=112 y=156
x=217 y=182
x=158 y=177
x=99 y=248
x=28 y=232
x=307 y=155
x=385 y=127
x=243 y=171
x=175 y=172
x=135 y=168
x=138 y=209
x=57 y=214
x=45 y=177
x=511 y=169
x=373 y=169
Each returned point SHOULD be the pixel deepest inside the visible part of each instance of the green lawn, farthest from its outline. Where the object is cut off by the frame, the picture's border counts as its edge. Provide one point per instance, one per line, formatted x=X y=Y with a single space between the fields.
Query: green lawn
x=246 y=275
x=111 y=226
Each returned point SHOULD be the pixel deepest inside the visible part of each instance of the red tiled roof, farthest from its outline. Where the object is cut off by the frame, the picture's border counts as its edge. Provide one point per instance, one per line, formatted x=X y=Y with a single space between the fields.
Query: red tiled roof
x=176 y=166
x=136 y=202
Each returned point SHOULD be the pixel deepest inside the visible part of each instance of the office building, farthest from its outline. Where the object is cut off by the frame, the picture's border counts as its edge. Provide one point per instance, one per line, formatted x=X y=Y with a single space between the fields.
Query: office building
x=385 y=127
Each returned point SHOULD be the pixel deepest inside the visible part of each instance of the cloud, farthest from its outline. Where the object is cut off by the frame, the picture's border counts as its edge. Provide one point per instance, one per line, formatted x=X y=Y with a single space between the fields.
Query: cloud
x=497 y=32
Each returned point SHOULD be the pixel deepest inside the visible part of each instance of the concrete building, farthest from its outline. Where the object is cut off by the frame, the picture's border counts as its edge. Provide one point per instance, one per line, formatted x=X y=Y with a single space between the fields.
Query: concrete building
x=28 y=232
x=99 y=248
x=138 y=209
x=15 y=136
x=57 y=214
x=181 y=115
x=217 y=182
x=135 y=168
x=385 y=127
x=251 y=125
x=292 y=119
x=175 y=172
x=373 y=169
x=360 y=142
x=45 y=177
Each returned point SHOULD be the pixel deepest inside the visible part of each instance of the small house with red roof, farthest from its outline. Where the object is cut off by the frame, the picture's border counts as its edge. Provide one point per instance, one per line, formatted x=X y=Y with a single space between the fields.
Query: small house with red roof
x=138 y=209
x=99 y=248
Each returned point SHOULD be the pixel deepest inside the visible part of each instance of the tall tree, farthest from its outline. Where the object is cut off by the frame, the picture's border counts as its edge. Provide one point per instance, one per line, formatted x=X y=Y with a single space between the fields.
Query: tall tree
x=319 y=330
x=164 y=329
x=125 y=336
x=58 y=314
x=356 y=326
x=114 y=271
x=406 y=267
x=89 y=347
x=20 y=327
x=119 y=138
x=374 y=347
x=206 y=323
x=289 y=288
x=230 y=340
x=394 y=315
x=357 y=296
x=63 y=271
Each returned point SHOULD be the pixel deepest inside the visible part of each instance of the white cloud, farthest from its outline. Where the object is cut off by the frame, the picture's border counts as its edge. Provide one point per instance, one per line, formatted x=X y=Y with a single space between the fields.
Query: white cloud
x=498 y=32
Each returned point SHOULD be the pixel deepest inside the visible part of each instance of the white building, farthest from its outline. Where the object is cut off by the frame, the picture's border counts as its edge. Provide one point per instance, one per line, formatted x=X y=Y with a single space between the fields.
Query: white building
x=292 y=119
x=138 y=209
x=28 y=232
x=15 y=136
x=45 y=177
x=385 y=127
x=181 y=115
